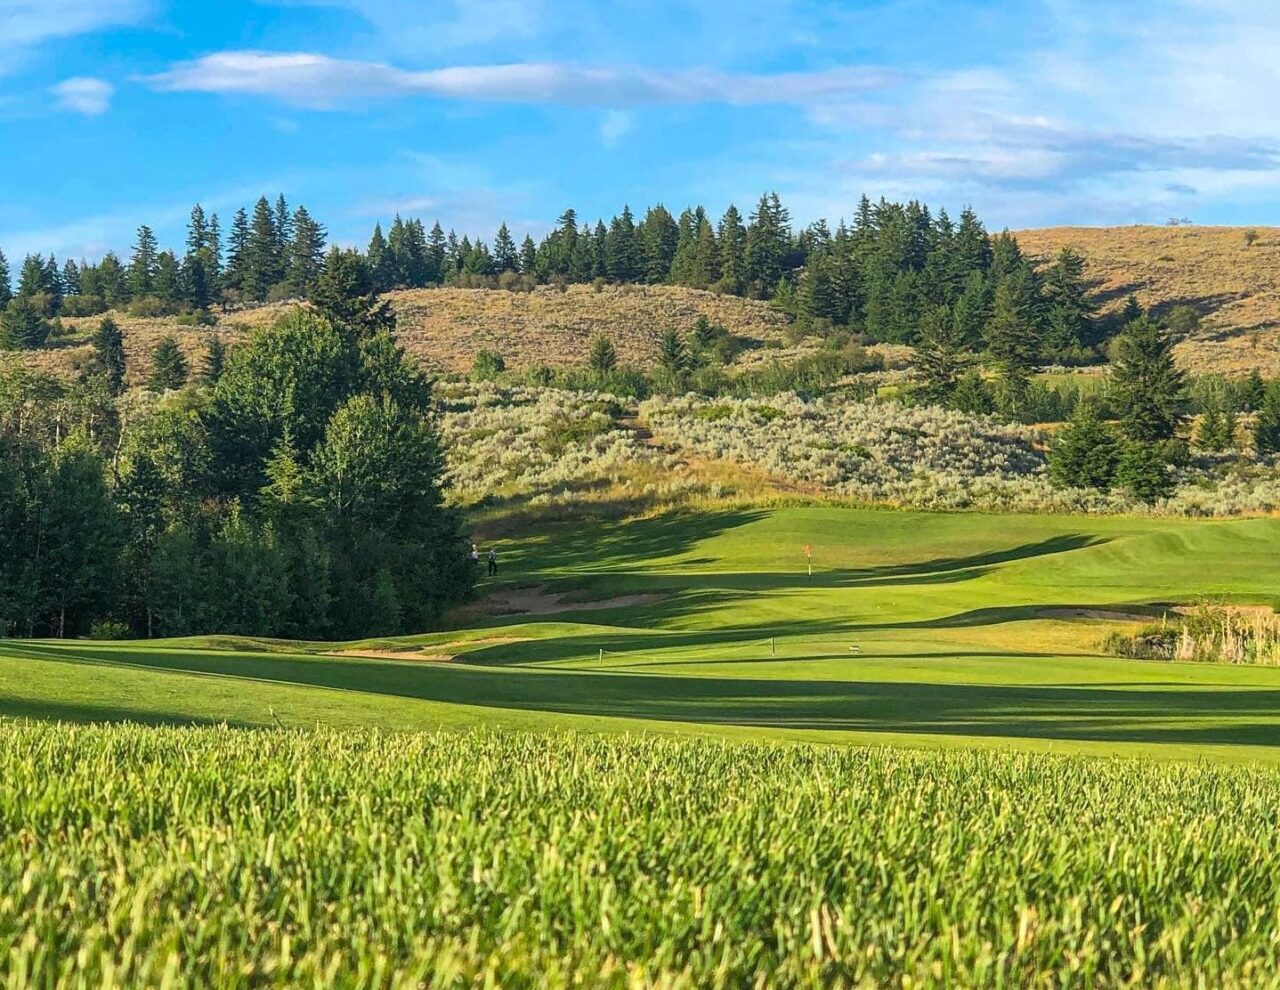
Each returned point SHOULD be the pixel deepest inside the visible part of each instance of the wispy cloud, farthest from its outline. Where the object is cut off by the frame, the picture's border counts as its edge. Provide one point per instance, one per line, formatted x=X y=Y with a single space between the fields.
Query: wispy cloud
x=25 y=24
x=616 y=125
x=84 y=95
x=320 y=81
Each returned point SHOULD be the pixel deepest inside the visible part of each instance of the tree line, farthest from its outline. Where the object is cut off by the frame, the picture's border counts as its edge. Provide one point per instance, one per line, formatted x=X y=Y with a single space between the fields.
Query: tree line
x=296 y=492
x=893 y=272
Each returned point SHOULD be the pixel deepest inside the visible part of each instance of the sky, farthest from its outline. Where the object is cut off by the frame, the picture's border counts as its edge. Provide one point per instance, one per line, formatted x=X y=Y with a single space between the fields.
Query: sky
x=1034 y=112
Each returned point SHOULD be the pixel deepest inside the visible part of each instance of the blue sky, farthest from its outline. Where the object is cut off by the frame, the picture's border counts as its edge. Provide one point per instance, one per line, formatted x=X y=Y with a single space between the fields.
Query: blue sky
x=114 y=112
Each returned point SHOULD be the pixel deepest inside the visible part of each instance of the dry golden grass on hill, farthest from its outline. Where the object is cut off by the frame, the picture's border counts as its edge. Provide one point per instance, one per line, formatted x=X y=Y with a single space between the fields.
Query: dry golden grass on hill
x=443 y=328
x=1235 y=286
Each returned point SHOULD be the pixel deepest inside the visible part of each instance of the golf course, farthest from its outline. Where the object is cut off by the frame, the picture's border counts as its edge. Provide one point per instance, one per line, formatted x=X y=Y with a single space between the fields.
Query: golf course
x=917 y=629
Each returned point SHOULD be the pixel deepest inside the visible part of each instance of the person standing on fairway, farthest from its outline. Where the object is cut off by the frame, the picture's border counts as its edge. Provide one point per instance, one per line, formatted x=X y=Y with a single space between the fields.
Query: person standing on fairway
x=493 y=562
x=475 y=555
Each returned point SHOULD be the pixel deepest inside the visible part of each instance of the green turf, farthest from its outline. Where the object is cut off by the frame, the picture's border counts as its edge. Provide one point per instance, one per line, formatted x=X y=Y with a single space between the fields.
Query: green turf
x=948 y=613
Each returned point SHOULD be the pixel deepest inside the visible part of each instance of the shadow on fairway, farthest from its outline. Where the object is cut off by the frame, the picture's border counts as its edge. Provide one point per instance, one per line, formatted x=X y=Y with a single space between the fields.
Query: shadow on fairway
x=1195 y=716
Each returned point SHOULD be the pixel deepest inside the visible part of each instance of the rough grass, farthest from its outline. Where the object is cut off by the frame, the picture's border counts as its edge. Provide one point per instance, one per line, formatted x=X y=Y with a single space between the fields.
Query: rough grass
x=1235 y=287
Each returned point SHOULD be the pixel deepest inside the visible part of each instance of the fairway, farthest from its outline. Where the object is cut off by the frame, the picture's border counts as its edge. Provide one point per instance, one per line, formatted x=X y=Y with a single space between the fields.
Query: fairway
x=923 y=629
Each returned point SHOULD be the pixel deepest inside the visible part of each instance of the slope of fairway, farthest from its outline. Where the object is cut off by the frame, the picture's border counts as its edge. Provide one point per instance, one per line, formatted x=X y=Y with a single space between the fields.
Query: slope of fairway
x=960 y=629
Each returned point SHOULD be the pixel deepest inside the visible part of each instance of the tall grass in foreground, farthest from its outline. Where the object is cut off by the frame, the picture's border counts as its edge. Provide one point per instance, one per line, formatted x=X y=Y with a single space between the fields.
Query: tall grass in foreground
x=135 y=857
x=1209 y=634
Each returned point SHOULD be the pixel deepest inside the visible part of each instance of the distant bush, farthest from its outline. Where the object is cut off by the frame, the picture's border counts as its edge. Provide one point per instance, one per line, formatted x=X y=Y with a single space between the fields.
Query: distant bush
x=487 y=365
x=83 y=305
x=110 y=629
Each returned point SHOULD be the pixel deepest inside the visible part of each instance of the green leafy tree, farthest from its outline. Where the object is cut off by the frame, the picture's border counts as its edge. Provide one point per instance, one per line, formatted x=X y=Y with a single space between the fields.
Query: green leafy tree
x=108 y=354
x=168 y=366
x=1148 y=385
x=1085 y=453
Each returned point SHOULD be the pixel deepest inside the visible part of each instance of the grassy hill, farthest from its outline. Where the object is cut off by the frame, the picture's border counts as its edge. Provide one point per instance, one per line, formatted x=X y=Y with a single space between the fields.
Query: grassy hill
x=444 y=328
x=1234 y=286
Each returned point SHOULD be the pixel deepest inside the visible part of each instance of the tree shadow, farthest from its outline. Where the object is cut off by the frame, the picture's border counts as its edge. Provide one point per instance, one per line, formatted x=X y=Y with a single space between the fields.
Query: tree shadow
x=1109 y=713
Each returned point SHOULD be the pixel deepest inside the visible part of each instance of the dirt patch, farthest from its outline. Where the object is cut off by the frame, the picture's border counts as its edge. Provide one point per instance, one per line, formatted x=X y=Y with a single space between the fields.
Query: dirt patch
x=395 y=655
x=1109 y=615
x=540 y=601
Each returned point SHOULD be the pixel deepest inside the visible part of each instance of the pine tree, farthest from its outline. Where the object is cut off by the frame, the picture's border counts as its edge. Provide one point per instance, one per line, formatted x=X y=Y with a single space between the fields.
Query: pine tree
x=215 y=360
x=436 y=245
x=169 y=281
x=168 y=367
x=1011 y=336
x=1253 y=391
x=263 y=262
x=1266 y=428
x=528 y=257
x=971 y=395
x=1070 y=308
x=972 y=245
x=1210 y=435
x=142 y=266
x=505 y=255
x=603 y=358
x=940 y=357
x=22 y=326
x=283 y=221
x=1147 y=382
x=238 y=261
x=673 y=356
x=1085 y=452
x=381 y=264
x=624 y=253
x=306 y=253
x=658 y=235
x=1143 y=471
x=108 y=354
x=767 y=244
x=70 y=278
x=197 y=231
x=733 y=250
x=6 y=285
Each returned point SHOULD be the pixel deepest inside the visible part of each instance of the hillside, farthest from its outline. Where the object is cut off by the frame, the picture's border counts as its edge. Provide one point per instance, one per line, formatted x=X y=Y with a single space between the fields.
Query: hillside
x=443 y=328
x=1234 y=286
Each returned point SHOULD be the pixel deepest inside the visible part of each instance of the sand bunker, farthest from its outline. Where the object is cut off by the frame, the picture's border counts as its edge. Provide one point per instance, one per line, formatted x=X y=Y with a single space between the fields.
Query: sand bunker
x=1109 y=615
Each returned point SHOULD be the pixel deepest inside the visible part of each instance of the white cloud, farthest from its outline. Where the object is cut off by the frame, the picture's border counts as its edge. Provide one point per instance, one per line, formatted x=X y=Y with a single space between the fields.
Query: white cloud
x=320 y=81
x=616 y=125
x=25 y=24
x=85 y=95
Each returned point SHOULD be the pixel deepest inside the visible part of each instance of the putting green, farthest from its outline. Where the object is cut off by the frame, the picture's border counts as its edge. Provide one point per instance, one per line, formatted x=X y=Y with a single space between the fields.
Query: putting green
x=926 y=629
